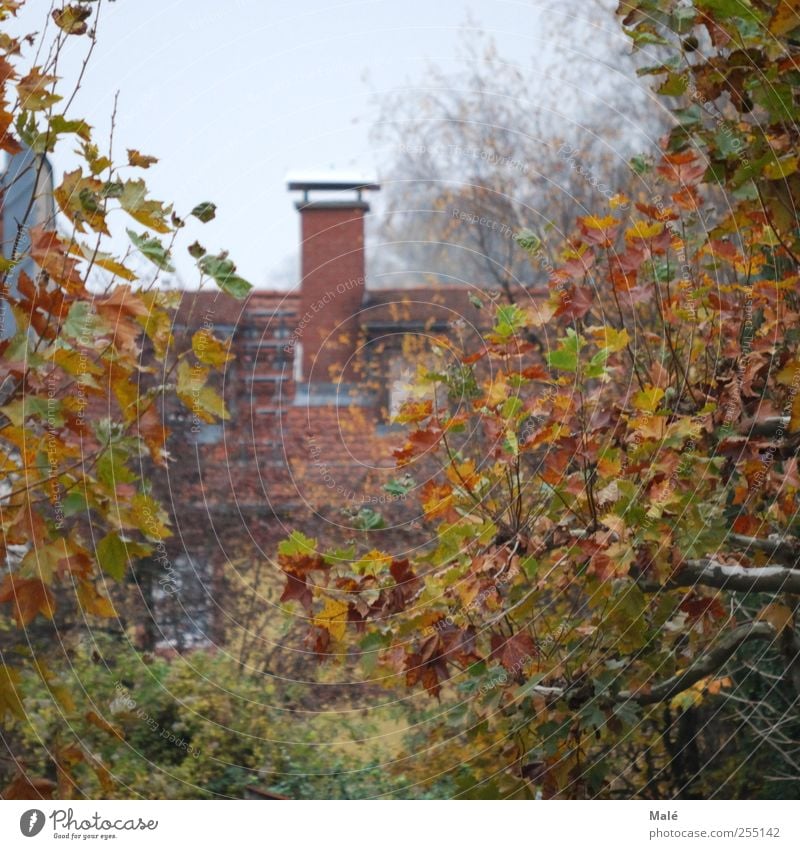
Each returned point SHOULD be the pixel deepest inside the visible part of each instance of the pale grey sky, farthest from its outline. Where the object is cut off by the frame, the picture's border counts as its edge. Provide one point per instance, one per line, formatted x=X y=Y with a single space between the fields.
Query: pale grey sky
x=232 y=95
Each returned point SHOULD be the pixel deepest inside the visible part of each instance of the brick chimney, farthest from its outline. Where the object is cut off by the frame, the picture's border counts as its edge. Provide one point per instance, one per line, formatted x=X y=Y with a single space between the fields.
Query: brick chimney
x=332 y=274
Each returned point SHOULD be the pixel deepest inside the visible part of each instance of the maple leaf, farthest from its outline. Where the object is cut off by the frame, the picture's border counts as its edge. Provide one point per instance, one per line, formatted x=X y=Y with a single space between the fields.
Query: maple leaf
x=644 y=231
x=575 y=302
x=778 y=615
x=210 y=350
x=699 y=607
x=565 y=357
x=297 y=589
x=785 y=18
x=648 y=399
x=72 y=18
x=92 y=602
x=599 y=231
x=28 y=597
x=437 y=499
x=80 y=200
x=413 y=412
x=139 y=160
x=151 y=213
x=333 y=617
x=514 y=652
x=51 y=254
x=682 y=168
x=35 y=90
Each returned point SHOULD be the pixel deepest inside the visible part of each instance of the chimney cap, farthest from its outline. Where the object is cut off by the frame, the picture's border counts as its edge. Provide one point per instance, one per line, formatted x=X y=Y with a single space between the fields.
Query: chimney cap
x=331 y=181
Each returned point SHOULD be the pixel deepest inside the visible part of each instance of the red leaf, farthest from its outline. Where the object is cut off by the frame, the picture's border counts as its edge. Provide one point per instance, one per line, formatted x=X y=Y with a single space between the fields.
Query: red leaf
x=515 y=651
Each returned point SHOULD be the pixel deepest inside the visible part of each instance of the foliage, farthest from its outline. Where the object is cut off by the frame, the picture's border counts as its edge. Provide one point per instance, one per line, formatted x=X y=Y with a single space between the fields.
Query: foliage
x=613 y=522
x=197 y=726
x=85 y=361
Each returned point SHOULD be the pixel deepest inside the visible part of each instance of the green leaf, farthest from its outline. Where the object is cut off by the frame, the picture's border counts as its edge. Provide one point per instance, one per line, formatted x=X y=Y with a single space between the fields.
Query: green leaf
x=151 y=213
x=723 y=9
x=61 y=124
x=475 y=301
x=111 y=469
x=511 y=407
x=400 y=487
x=223 y=272
x=565 y=357
x=597 y=364
x=112 y=556
x=674 y=85
x=205 y=211
x=196 y=250
x=368 y=520
x=528 y=241
x=152 y=248
x=297 y=543
x=81 y=323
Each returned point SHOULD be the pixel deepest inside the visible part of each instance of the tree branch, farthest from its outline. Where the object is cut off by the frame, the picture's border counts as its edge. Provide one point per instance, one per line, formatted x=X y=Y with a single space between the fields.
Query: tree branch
x=702 y=666
x=710 y=573
x=782 y=548
x=707 y=663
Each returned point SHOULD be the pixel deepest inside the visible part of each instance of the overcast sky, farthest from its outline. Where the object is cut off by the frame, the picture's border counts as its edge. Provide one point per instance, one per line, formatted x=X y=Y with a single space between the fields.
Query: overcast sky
x=231 y=95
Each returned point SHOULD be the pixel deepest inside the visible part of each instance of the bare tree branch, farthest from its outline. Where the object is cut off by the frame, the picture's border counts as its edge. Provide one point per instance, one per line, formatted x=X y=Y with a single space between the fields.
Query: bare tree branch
x=704 y=665
x=710 y=573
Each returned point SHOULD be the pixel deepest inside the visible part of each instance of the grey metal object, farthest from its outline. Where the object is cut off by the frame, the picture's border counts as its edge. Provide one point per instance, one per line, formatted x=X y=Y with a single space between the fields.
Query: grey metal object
x=306 y=182
x=26 y=186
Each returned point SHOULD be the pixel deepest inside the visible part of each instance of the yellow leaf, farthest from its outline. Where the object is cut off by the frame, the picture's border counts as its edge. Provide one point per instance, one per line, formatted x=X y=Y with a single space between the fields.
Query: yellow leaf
x=497 y=391
x=211 y=406
x=147 y=515
x=208 y=349
x=10 y=701
x=79 y=198
x=649 y=427
x=72 y=18
x=93 y=603
x=794 y=421
x=437 y=499
x=643 y=230
x=785 y=18
x=412 y=412
x=687 y=699
x=594 y=222
x=35 y=90
x=151 y=213
x=157 y=325
x=618 y=200
x=781 y=168
x=333 y=617
x=202 y=400
x=648 y=399
x=789 y=375
x=139 y=160
x=609 y=338
x=778 y=615
x=42 y=562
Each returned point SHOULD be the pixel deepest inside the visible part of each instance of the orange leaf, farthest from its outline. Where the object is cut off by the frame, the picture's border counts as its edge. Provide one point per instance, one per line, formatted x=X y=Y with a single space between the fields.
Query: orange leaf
x=29 y=596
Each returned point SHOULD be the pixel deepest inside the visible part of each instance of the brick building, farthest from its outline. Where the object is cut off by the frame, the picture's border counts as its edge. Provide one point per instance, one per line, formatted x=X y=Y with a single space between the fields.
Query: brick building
x=315 y=378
